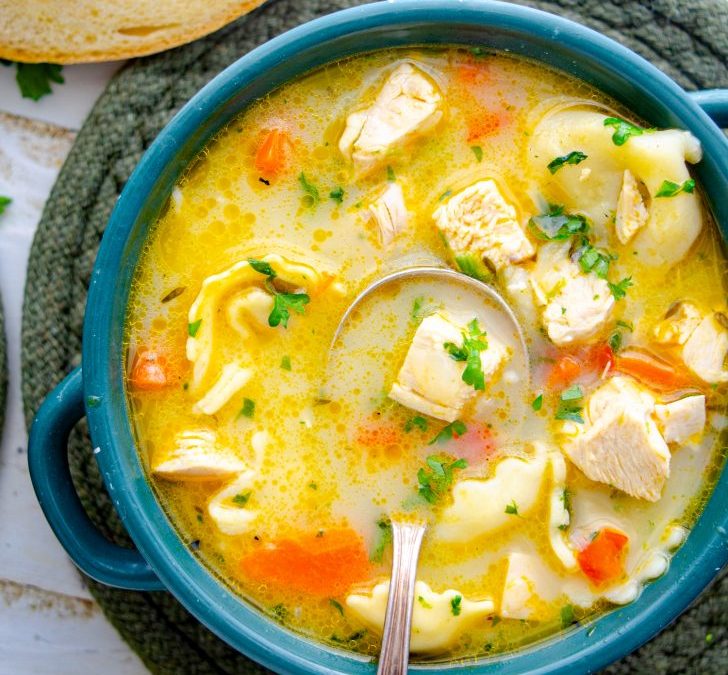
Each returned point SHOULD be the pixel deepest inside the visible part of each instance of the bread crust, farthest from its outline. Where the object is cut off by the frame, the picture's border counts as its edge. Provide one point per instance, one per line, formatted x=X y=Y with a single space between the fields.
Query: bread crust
x=113 y=30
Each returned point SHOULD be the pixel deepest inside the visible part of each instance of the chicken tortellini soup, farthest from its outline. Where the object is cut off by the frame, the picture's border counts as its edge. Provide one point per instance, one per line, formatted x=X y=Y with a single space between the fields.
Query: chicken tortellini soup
x=555 y=486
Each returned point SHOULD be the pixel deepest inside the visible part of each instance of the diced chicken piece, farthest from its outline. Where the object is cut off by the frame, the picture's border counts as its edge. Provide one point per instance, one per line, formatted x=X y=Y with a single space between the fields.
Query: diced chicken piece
x=621 y=444
x=430 y=381
x=706 y=350
x=577 y=306
x=227 y=508
x=481 y=506
x=681 y=419
x=559 y=516
x=409 y=105
x=679 y=323
x=390 y=214
x=478 y=221
x=196 y=456
x=248 y=311
x=435 y=627
x=631 y=213
x=232 y=379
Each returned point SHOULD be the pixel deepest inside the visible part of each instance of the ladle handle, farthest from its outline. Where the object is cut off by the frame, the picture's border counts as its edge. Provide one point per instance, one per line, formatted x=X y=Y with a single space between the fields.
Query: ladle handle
x=406 y=541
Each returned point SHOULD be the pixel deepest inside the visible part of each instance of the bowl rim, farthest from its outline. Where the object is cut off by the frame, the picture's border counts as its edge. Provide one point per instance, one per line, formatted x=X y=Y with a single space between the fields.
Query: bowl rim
x=584 y=648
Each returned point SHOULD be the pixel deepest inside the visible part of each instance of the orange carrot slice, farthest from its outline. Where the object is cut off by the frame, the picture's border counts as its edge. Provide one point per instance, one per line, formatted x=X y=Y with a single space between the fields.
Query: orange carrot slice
x=602 y=560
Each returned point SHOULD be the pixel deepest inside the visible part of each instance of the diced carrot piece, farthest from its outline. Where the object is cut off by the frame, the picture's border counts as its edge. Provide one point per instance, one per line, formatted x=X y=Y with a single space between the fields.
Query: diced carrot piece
x=271 y=155
x=653 y=372
x=564 y=371
x=600 y=359
x=149 y=371
x=325 y=564
x=602 y=560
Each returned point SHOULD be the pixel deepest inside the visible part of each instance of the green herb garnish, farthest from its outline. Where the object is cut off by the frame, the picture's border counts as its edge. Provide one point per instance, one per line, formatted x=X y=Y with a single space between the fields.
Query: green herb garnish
x=337 y=606
x=310 y=189
x=286 y=362
x=537 y=403
x=241 y=499
x=390 y=174
x=567 y=616
x=456 y=605
x=623 y=130
x=555 y=225
x=4 y=201
x=436 y=478
x=193 y=327
x=569 y=408
x=512 y=508
x=670 y=189
x=283 y=303
x=628 y=325
x=470 y=265
x=615 y=341
x=384 y=539
x=454 y=429
x=474 y=342
x=478 y=152
x=416 y=421
x=619 y=290
x=592 y=259
x=337 y=194
x=574 y=157
x=248 y=409
x=424 y=602
x=34 y=79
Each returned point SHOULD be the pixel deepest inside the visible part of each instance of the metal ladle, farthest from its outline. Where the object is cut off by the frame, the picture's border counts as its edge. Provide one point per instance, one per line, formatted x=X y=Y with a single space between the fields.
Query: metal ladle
x=407 y=534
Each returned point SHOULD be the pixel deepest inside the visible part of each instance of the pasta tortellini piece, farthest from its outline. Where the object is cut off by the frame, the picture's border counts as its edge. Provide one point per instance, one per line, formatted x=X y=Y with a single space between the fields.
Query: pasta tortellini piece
x=672 y=224
x=559 y=513
x=196 y=455
x=436 y=625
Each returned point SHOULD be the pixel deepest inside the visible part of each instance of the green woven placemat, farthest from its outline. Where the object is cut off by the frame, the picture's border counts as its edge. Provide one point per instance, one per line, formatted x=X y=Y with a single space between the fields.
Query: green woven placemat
x=688 y=40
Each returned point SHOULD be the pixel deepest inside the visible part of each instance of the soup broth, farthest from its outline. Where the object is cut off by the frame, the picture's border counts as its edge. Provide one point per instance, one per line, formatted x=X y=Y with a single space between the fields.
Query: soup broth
x=553 y=489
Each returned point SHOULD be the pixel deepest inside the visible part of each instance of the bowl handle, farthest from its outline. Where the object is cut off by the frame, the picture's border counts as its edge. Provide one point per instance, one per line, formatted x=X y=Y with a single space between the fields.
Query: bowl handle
x=715 y=103
x=92 y=553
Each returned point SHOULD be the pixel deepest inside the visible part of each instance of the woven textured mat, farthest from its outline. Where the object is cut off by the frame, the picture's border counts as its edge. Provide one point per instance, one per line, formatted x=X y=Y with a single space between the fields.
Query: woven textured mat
x=686 y=39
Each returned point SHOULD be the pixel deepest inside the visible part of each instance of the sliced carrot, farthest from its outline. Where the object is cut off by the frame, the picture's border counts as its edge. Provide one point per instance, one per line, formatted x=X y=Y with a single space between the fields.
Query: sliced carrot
x=325 y=564
x=602 y=560
x=564 y=371
x=600 y=359
x=271 y=155
x=149 y=371
x=650 y=370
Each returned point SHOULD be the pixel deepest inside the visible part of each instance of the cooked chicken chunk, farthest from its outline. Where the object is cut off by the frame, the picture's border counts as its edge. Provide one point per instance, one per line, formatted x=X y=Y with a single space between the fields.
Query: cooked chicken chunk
x=197 y=456
x=478 y=221
x=681 y=320
x=390 y=214
x=435 y=626
x=631 y=213
x=430 y=381
x=681 y=419
x=577 y=305
x=409 y=105
x=706 y=350
x=620 y=444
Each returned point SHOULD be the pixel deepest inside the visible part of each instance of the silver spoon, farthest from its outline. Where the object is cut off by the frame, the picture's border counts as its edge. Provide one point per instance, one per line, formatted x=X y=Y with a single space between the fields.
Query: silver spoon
x=407 y=535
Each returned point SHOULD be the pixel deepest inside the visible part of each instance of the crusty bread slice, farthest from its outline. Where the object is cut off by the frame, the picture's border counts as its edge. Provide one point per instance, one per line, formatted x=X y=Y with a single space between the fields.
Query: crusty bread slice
x=80 y=31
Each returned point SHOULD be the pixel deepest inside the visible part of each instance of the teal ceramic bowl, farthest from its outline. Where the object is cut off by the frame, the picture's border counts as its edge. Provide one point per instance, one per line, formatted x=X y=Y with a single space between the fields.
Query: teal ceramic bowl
x=162 y=559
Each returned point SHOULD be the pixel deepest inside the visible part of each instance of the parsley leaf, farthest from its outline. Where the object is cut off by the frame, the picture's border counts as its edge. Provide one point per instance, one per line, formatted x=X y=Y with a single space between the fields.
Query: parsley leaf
x=436 y=478
x=474 y=342
x=416 y=421
x=456 y=605
x=4 y=201
x=34 y=78
x=567 y=616
x=512 y=508
x=310 y=189
x=472 y=267
x=455 y=429
x=248 y=409
x=390 y=174
x=262 y=267
x=670 y=189
x=424 y=602
x=615 y=341
x=337 y=194
x=569 y=408
x=337 y=606
x=193 y=327
x=478 y=152
x=619 y=290
x=282 y=303
x=384 y=539
x=592 y=259
x=537 y=403
x=241 y=499
x=623 y=130
x=628 y=325
x=574 y=157
x=420 y=310
x=555 y=225
x=286 y=362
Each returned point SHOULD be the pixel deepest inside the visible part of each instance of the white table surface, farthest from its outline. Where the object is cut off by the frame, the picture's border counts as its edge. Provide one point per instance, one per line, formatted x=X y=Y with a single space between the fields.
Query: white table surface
x=48 y=621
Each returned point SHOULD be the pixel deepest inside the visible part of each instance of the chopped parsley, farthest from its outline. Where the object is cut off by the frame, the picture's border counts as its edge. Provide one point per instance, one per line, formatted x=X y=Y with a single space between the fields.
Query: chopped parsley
x=416 y=421
x=569 y=404
x=452 y=430
x=567 y=616
x=592 y=259
x=424 y=602
x=280 y=612
x=283 y=303
x=241 y=499
x=478 y=152
x=456 y=605
x=286 y=362
x=670 y=189
x=420 y=310
x=537 y=403
x=627 y=325
x=474 y=342
x=4 y=201
x=337 y=194
x=248 y=409
x=262 y=267
x=34 y=79
x=193 y=327
x=390 y=174
x=472 y=267
x=574 y=157
x=311 y=190
x=436 y=478
x=384 y=539
x=555 y=225
x=623 y=130
x=615 y=341
x=512 y=508
x=174 y=293
x=619 y=290
x=337 y=606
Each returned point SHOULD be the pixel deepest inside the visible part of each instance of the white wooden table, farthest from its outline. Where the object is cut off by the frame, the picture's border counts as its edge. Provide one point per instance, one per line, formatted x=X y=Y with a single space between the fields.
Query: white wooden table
x=48 y=621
